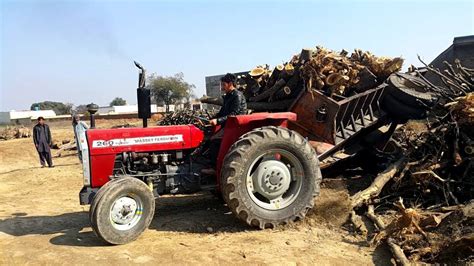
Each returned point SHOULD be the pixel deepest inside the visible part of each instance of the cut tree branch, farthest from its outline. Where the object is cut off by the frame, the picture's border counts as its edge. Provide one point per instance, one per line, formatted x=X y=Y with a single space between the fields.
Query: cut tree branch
x=364 y=196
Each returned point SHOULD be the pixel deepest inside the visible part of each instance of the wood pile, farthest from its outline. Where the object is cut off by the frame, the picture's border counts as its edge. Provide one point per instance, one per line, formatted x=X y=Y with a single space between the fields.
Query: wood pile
x=463 y=110
x=337 y=74
x=198 y=118
x=14 y=133
x=457 y=79
x=422 y=204
x=63 y=146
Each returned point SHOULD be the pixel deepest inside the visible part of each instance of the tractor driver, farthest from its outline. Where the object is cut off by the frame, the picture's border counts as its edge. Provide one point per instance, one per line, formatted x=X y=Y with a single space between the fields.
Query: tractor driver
x=234 y=104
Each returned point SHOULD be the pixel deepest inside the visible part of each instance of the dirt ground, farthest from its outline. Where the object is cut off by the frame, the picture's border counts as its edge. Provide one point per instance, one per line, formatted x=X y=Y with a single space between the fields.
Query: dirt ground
x=41 y=222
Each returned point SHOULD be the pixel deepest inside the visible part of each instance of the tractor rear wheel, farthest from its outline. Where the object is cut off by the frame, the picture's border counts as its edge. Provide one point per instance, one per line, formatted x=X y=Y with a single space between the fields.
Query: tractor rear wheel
x=270 y=177
x=123 y=210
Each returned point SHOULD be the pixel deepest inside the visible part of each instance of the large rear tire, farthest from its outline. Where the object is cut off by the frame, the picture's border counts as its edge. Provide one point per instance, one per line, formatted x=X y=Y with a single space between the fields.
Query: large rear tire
x=270 y=177
x=123 y=210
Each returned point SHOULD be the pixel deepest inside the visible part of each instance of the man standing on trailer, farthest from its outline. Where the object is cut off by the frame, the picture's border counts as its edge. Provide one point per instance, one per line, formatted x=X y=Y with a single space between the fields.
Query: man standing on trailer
x=43 y=142
x=234 y=104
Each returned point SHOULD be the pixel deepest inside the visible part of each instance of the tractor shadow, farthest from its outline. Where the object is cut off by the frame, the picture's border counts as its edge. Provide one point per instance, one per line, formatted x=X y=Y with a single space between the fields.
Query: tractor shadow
x=37 y=167
x=18 y=170
x=69 y=225
x=196 y=213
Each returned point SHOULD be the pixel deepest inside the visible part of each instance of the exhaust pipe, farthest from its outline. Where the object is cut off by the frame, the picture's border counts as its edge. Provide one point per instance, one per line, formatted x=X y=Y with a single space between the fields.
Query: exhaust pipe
x=92 y=108
x=143 y=96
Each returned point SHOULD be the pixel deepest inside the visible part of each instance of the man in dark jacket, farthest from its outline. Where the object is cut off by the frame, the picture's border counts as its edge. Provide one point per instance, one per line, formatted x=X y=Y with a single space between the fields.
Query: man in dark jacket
x=234 y=104
x=234 y=101
x=43 y=142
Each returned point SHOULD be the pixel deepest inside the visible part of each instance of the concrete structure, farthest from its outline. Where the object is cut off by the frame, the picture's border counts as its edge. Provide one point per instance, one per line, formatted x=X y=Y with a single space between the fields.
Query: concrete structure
x=132 y=109
x=105 y=110
x=462 y=49
x=24 y=117
x=213 y=84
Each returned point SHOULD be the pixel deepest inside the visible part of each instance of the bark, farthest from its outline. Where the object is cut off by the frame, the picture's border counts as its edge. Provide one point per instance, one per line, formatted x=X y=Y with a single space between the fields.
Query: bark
x=267 y=93
x=67 y=147
x=274 y=76
x=367 y=80
x=371 y=215
x=285 y=91
x=283 y=105
x=397 y=252
x=359 y=225
x=256 y=106
x=282 y=93
x=364 y=196
x=305 y=55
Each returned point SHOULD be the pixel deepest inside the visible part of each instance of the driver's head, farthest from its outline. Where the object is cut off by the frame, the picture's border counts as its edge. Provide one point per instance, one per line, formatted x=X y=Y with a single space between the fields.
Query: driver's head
x=228 y=82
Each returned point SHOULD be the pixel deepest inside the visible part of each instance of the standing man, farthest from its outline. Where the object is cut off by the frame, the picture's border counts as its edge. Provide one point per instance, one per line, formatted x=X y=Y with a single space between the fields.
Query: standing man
x=234 y=104
x=43 y=142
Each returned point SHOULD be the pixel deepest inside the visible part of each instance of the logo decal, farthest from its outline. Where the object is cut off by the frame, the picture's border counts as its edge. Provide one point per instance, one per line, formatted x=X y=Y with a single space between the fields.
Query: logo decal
x=136 y=141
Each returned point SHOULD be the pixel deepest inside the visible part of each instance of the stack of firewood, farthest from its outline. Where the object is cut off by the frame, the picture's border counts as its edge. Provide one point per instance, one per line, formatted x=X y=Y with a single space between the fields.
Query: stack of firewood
x=336 y=74
x=458 y=80
x=14 y=132
x=339 y=74
x=199 y=118
x=430 y=186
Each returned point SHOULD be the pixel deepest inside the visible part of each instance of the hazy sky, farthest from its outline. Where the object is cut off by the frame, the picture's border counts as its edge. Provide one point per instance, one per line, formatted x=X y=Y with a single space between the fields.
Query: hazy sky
x=81 y=51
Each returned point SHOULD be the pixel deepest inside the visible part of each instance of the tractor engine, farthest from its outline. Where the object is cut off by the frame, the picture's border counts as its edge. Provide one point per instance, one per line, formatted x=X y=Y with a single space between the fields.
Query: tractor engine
x=170 y=171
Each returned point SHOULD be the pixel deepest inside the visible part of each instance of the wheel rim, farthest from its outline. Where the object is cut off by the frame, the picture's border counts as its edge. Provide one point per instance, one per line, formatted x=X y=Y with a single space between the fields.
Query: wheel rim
x=126 y=212
x=274 y=179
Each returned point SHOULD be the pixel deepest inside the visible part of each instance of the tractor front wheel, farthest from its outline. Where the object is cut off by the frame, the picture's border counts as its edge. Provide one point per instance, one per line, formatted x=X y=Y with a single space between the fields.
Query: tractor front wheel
x=123 y=210
x=270 y=176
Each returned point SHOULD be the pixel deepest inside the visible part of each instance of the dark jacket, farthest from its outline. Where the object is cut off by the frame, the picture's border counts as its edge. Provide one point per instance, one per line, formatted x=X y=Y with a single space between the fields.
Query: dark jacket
x=42 y=137
x=234 y=104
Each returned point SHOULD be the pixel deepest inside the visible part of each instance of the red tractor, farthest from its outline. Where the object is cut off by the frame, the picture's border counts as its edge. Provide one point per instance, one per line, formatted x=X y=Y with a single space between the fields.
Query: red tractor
x=267 y=172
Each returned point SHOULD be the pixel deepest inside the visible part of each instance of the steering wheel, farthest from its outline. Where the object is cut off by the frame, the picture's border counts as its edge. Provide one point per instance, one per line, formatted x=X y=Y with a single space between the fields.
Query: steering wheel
x=203 y=121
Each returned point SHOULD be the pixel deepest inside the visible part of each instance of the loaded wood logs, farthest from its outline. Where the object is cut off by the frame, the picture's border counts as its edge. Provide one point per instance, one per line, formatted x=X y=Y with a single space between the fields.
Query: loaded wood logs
x=255 y=106
x=267 y=93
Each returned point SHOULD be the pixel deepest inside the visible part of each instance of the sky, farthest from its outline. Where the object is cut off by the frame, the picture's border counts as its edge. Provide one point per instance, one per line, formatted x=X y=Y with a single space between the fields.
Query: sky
x=82 y=51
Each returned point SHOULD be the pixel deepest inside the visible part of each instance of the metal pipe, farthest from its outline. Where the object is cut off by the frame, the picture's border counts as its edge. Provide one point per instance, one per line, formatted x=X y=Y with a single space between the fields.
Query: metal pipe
x=143 y=96
x=92 y=109
x=92 y=121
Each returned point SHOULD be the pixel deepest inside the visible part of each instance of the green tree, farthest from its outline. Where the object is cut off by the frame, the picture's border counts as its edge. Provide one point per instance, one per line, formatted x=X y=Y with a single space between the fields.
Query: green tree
x=170 y=90
x=118 y=102
x=58 y=107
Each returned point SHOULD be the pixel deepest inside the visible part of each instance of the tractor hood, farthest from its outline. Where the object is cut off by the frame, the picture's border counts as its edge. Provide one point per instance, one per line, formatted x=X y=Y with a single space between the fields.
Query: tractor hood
x=113 y=141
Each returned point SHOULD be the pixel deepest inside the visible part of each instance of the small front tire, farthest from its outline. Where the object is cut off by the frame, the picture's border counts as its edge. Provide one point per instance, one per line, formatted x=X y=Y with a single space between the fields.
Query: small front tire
x=123 y=212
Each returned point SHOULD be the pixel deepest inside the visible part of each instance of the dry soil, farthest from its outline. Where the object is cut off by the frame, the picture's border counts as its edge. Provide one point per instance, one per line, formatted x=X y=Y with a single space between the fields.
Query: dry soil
x=41 y=222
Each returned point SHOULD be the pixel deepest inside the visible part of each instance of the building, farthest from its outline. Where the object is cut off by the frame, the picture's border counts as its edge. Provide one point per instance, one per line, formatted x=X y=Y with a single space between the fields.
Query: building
x=131 y=109
x=24 y=117
x=462 y=49
x=213 y=84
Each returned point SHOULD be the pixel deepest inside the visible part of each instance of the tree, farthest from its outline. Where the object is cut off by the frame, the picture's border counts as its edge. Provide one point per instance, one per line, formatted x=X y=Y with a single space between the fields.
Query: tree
x=81 y=109
x=118 y=102
x=170 y=90
x=58 y=107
